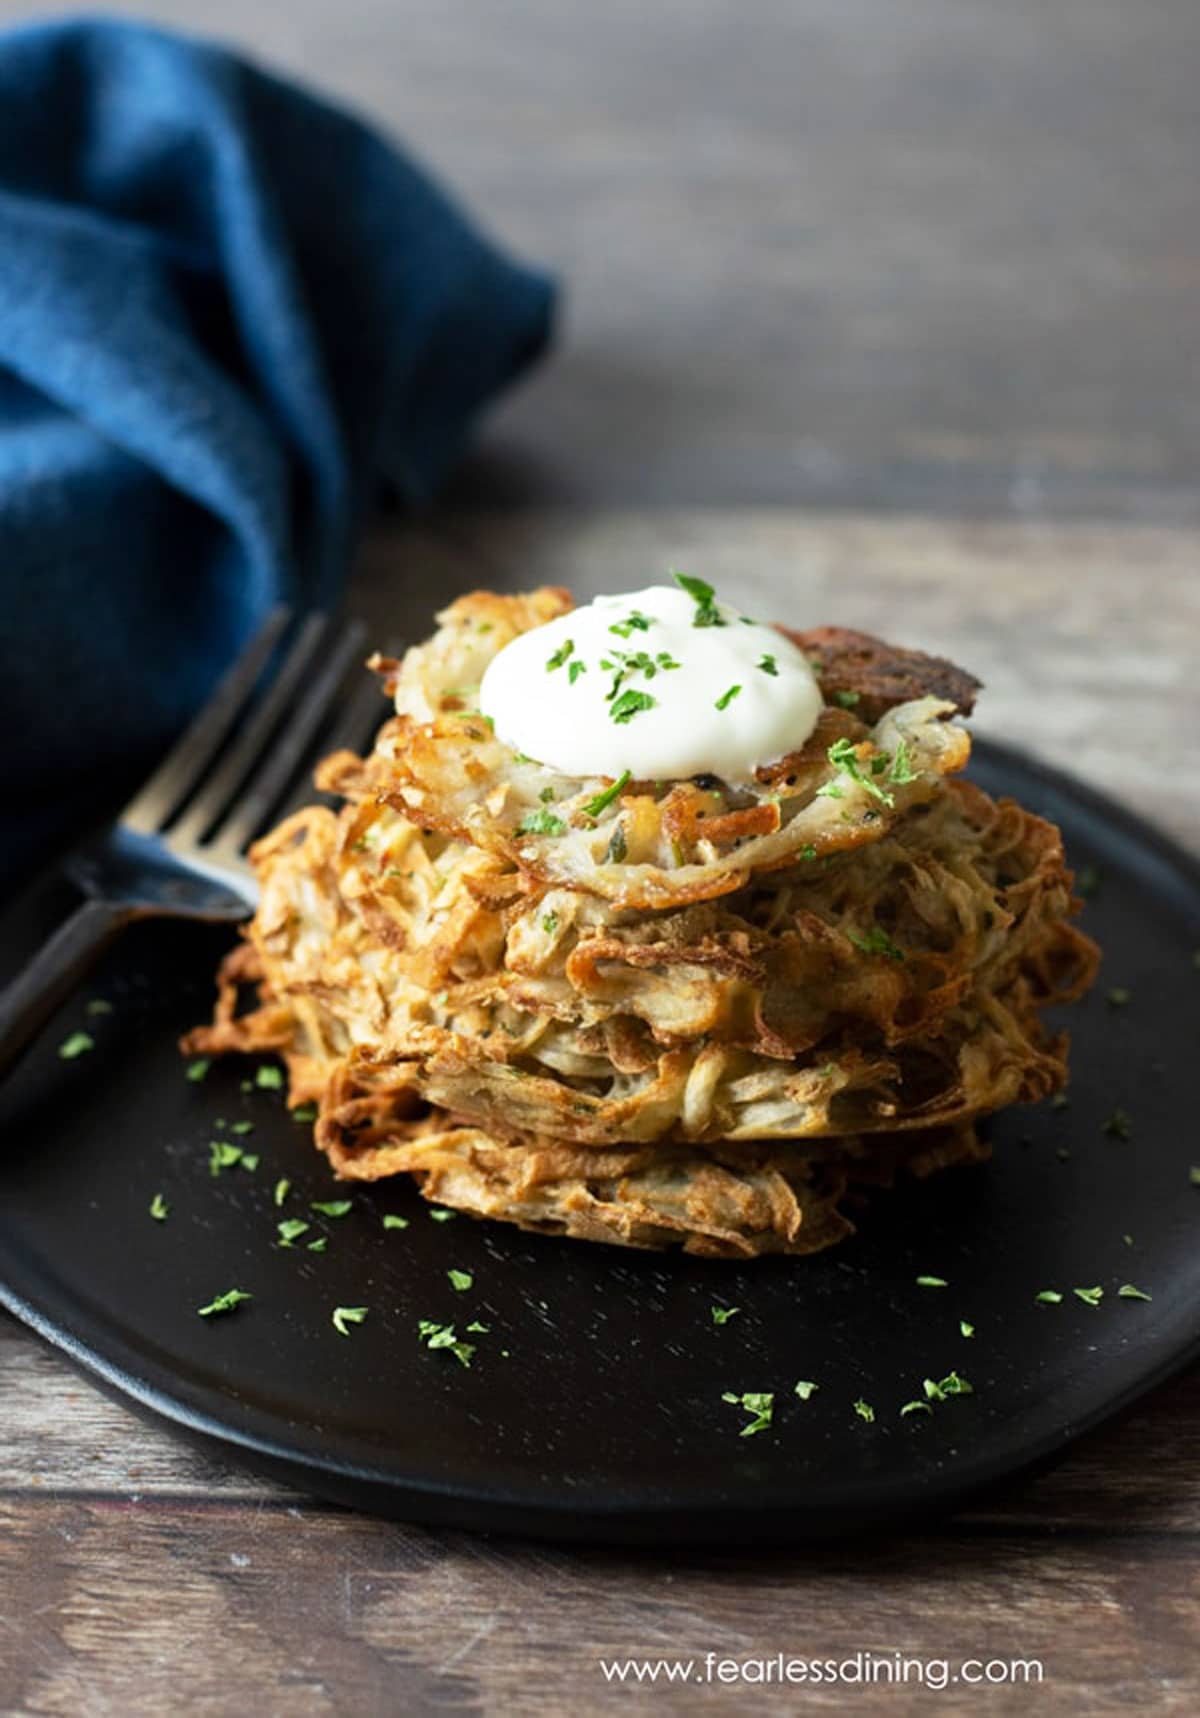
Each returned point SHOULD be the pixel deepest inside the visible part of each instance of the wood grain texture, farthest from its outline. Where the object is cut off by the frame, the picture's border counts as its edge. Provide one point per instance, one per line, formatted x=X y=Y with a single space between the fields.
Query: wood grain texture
x=936 y=255
x=138 y=1575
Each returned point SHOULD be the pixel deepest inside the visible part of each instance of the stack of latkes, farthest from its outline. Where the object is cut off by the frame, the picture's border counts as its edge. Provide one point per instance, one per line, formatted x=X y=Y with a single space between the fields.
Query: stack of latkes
x=679 y=1012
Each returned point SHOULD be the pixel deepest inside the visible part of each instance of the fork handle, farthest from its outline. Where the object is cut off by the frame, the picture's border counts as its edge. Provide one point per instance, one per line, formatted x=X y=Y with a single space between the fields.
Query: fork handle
x=53 y=973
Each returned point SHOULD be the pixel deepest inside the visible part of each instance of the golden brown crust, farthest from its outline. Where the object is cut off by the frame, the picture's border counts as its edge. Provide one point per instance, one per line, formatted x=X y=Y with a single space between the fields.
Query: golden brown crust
x=873 y=676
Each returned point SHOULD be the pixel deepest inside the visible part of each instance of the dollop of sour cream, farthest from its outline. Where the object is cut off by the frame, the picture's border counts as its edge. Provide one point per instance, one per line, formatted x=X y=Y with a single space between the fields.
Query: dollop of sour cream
x=665 y=682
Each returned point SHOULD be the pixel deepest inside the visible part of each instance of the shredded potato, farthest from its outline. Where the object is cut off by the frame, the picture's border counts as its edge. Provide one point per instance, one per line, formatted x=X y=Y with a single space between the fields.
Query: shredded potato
x=709 y=1028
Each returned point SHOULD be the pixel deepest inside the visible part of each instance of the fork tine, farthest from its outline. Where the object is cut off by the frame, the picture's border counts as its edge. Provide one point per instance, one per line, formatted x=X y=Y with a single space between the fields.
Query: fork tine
x=266 y=787
x=364 y=710
x=192 y=753
x=239 y=759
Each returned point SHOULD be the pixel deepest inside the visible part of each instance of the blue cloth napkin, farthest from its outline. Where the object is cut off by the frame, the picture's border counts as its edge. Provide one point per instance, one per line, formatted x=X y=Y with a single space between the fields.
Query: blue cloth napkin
x=229 y=313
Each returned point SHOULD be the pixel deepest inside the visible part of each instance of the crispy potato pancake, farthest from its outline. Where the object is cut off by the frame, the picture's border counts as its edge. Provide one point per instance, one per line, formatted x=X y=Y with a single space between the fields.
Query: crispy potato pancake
x=703 y=1015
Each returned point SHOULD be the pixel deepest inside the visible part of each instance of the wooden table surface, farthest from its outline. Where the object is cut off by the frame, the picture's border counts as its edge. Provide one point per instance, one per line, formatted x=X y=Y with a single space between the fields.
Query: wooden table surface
x=878 y=314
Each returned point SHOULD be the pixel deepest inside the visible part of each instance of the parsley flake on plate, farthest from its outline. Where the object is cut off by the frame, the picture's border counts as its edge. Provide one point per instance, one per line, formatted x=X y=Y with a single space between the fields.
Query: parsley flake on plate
x=197 y=1070
x=759 y=1404
x=227 y=1302
x=443 y=1336
x=460 y=1280
x=159 y=1209
x=78 y=1044
x=865 y=1411
x=290 y=1229
x=344 y=1316
x=391 y=1221
x=805 y=1389
x=1089 y=1296
x=932 y=1282
x=1130 y=1291
x=332 y=1207
x=722 y=1314
x=268 y=1078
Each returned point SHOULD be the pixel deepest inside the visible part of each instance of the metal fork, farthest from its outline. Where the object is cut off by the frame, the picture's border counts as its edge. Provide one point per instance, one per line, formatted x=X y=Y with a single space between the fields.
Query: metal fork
x=177 y=850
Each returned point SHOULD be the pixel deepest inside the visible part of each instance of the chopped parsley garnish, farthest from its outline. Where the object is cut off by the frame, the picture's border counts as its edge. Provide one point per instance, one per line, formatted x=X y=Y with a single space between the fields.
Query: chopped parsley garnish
x=575 y=669
x=223 y=1154
x=966 y=1328
x=549 y=923
x=1048 y=1297
x=269 y=1079
x=250 y=1160
x=847 y=700
x=282 y=1188
x=196 y=1071
x=391 y=1221
x=759 y=1404
x=99 y=1006
x=291 y=1229
x=876 y=941
x=915 y=1408
x=808 y=852
x=766 y=664
x=78 y=1044
x=560 y=655
x=605 y=797
x=805 y=1388
x=332 y=1207
x=630 y=703
x=1117 y=1125
x=726 y=698
x=440 y=1214
x=635 y=622
x=319 y=1245
x=475 y=1326
x=546 y=795
x=542 y=823
x=953 y=1384
x=159 y=1208
x=843 y=754
x=1194 y=1175
x=227 y=1302
x=865 y=1411
x=460 y=1280
x=901 y=770
x=442 y=1336
x=1130 y=1291
x=1089 y=1296
x=1118 y=997
x=304 y=1112
x=722 y=1314
x=343 y=1316
x=932 y=1282
x=242 y=1127
x=707 y=613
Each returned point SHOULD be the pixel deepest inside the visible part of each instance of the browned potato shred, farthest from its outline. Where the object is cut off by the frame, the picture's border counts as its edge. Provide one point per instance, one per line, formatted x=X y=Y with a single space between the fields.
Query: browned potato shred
x=703 y=1014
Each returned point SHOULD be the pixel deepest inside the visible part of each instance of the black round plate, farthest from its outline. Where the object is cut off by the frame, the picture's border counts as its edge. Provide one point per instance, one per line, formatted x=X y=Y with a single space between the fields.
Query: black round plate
x=592 y=1407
